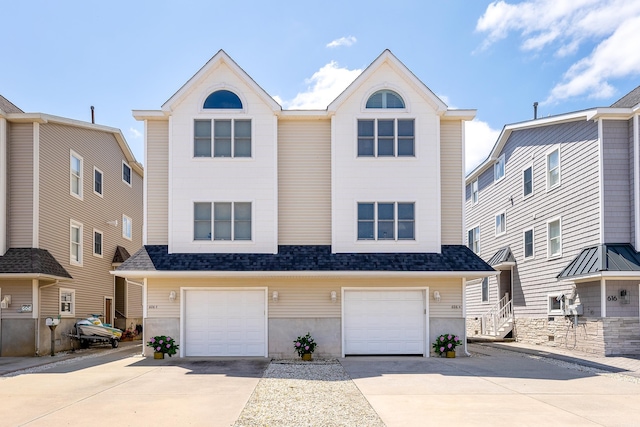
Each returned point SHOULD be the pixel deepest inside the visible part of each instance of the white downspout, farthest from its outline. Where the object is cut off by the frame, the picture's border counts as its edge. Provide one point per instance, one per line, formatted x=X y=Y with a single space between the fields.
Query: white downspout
x=464 y=314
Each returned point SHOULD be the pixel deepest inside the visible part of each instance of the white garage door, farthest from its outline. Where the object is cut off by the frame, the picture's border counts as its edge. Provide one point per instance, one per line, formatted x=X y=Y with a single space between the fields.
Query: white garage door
x=225 y=323
x=384 y=322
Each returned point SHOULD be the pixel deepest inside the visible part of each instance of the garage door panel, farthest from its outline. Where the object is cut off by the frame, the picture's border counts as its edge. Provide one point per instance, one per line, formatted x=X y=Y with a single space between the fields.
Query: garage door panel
x=225 y=323
x=384 y=322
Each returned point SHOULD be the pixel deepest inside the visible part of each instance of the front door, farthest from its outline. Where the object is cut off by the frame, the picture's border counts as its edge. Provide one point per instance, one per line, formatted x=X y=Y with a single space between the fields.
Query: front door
x=108 y=307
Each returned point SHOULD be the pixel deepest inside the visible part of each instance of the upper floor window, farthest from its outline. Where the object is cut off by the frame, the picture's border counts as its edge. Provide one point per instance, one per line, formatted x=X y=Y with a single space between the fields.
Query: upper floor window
x=231 y=138
x=230 y=221
x=385 y=221
x=553 y=169
x=126 y=173
x=97 y=243
x=554 y=238
x=223 y=99
x=474 y=192
x=127 y=227
x=528 y=243
x=97 y=181
x=385 y=99
x=67 y=302
x=527 y=181
x=501 y=223
x=473 y=239
x=75 y=249
x=76 y=175
x=498 y=169
x=485 y=289
x=386 y=138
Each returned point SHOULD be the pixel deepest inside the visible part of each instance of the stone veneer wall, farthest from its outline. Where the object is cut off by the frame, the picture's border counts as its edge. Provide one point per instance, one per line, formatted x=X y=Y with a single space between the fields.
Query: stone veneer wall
x=474 y=327
x=601 y=336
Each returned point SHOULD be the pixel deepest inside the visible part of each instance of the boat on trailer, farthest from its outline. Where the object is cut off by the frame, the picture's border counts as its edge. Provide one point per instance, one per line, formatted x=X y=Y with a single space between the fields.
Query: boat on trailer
x=92 y=329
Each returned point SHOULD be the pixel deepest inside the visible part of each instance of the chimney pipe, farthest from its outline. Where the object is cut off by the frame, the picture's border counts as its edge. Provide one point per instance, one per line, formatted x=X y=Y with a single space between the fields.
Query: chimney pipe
x=535 y=110
x=93 y=117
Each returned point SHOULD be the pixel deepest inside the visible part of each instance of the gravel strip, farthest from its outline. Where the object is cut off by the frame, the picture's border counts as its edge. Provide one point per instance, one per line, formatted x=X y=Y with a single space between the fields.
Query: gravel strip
x=317 y=393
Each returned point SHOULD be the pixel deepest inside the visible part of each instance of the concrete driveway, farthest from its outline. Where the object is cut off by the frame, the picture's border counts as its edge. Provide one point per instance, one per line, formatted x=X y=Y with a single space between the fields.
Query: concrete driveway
x=125 y=389
x=493 y=388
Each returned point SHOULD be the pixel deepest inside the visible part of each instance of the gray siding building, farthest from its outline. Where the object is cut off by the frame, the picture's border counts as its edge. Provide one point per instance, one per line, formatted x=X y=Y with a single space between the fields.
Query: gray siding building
x=555 y=209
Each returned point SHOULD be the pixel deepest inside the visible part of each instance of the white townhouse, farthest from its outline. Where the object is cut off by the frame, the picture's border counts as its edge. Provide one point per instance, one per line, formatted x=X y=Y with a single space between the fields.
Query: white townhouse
x=263 y=224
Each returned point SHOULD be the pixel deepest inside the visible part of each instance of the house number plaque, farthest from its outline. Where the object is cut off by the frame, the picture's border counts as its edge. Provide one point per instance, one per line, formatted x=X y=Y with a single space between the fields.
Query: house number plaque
x=153 y=306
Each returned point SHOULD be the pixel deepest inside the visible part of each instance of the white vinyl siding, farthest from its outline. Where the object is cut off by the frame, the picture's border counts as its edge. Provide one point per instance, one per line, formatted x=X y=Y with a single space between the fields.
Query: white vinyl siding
x=157 y=183
x=451 y=182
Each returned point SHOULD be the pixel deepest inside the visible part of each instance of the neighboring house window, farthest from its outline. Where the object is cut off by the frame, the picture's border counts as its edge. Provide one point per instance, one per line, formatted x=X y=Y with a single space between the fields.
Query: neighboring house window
x=232 y=221
x=97 y=181
x=554 y=242
x=386 y=221
x=386 y=138
x=555 y=304
x=97 y=243
x=76 y=243
x=223 y=99
x=498 y=169
x=231 y=138
x=67 y=302
x=76 y=175
x=473 y=239
x=126 y=173
x=527 y=181
x=501 y=223
x=485 y=289
x=474 y=192
x=127 y=231
x=528 y=243
x=385 y=99
x=553 y=169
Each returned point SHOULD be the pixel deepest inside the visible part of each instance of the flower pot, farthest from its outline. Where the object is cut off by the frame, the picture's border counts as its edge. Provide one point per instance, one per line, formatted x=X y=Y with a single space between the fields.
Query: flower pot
x=306 y=356
x=158 y=355
x=451 y=354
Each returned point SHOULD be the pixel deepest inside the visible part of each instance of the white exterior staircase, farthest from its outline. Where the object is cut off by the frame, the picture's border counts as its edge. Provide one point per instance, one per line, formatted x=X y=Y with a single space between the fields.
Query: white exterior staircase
x=498 y=321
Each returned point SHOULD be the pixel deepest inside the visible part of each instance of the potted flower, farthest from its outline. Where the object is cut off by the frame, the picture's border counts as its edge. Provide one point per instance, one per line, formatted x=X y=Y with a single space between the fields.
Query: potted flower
x=445 y=345
x=162 y=345
x=305 y=346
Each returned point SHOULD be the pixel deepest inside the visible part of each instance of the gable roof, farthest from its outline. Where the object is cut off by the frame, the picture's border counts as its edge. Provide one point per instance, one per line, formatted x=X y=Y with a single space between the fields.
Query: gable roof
x=503 y=255
x=219 y=58
x=304 y=258
x=389 y=58
x=7 y=106
x=31 y=262
x=630 y=100
x=606 y=258
x=121 y=255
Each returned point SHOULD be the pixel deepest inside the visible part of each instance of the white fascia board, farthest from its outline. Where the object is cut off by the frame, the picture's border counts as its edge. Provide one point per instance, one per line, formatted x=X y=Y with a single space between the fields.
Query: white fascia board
x=611 y=113
x=467 y=114
x=142 y=115
x=37 y=276
x=304 y=114
x=155 y=274
x=608 y=275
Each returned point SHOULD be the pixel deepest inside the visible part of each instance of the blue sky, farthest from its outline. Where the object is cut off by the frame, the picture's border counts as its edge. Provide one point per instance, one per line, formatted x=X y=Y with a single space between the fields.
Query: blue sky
x=497 y=57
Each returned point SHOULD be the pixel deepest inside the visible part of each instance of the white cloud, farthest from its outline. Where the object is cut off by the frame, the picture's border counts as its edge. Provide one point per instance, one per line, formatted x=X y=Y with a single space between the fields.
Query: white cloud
x=135 y=133
x=324 y=86
x=564 y=25
x=343 y=41
x=479 y=140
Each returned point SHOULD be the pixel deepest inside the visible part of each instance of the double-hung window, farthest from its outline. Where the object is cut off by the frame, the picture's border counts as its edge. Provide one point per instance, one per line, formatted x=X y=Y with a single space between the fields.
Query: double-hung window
x=527 y=181
x=386 y=221
x=97 y=243
x=97 y=181
x=485 y=290
x=386 y=138
x=126 y=173
x=553 y=169
x=127 y=227
x=474 y=192
x=230 y=138
x=76 y=175
x=498 y=169
x=501 y=223
x=75 y=237
x=222 y=220
x=554 y=238
x=473 y=239
x=67 y=302
x=528 y=243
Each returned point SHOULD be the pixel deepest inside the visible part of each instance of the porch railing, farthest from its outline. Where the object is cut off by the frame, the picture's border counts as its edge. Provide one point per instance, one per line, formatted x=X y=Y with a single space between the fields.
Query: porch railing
x=497 y=316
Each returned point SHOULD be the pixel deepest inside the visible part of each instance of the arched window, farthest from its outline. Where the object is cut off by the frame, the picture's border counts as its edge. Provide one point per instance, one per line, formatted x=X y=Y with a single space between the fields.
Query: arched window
x=385 y=99
x=223 y=99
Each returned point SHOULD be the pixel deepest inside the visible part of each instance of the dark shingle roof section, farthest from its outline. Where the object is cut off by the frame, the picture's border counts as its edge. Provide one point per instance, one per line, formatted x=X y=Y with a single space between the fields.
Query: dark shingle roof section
x=607 y=257
x=31 y=261
x=8 y=106
x=307 y=258
x=503 y=255
x=121 y=255
x=629 y=100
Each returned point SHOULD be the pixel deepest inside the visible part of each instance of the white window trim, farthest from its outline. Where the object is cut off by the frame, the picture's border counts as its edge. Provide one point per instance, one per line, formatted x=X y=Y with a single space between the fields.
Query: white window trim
x=549 y=254
x=72 y=312
x=80 y=178
x=478 y=238
x=551 y=312
x=533 y=241
x=93 y=248
x=477 y=192
x=76 y=224
x=500 y=159
x=130 y=173
x=546 y=168
x=502 y=213
x=526 y=196
x=124 y=220
x=95 y=169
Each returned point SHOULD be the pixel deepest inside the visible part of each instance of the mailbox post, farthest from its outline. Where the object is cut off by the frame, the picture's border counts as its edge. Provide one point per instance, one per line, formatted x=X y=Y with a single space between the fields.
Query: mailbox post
x=52 y=324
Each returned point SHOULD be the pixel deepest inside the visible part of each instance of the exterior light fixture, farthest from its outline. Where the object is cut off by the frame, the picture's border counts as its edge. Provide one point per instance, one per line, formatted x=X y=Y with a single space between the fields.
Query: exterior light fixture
x=172 y=295
x=274 y=296
x=436 y=296
x=334 y=296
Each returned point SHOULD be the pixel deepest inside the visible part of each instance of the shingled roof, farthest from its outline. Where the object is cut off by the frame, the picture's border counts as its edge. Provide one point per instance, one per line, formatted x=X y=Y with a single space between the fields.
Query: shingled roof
x=603 y=258
x=629 y=100
x=8 y=106
x=31 y=261
x=121 y=255
x=453 y=258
